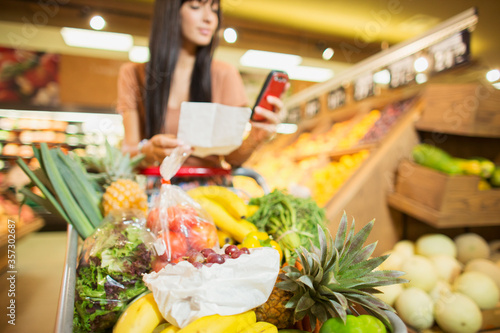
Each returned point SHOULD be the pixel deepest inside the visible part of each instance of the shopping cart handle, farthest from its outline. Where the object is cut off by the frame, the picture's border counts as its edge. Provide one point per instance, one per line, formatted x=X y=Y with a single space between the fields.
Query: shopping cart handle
x=252 y=174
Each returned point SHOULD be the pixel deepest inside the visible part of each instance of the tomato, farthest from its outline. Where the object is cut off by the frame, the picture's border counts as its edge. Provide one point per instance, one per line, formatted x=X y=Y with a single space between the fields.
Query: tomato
x=176 y=245
x=203 y=235
x=152 y=220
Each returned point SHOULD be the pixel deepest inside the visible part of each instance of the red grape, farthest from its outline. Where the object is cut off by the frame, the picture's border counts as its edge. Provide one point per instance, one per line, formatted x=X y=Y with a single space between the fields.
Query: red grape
x=236 y=254
x=207 y=252
x=215 y=258
x=230 y=249
x=245 y=250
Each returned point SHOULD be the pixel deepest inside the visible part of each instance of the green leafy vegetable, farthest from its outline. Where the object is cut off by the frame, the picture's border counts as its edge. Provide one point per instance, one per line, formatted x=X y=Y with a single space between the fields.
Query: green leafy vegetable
x=291 y=220
x=109 y=274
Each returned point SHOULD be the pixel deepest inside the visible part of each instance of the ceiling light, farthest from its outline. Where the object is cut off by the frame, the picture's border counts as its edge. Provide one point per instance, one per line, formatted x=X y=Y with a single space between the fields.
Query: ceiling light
x=382 y=77
x=230 y=35
x=269 y=60
x=421 y=78
x=97 y=22
x=97 y=39
x=328 y=53
x=421 y=64
x=139 y=54
x=285 y=128
x=307 y=73
x=493 y=75
x=497 y=85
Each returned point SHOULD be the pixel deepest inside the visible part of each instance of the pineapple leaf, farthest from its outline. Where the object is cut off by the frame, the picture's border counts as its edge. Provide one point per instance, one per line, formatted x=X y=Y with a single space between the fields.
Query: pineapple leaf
x=307 y=280
x=340 y=311
x=319 y=311
x=341 y=232
x=360 y=269
x=328 y=277
x=356 y=244
x=287 y=285
x=305 y=303
x=292 y=302
x=387 y=273
x=365 y=253
x=319 y=274
x=341 y=300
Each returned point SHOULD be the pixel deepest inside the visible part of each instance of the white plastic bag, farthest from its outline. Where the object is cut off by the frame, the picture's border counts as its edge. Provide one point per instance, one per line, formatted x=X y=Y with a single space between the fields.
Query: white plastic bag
x=185 y=293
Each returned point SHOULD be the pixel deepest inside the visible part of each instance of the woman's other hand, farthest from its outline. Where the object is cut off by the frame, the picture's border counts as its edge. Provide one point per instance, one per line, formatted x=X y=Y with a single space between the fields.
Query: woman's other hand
x=263 y=130
x=159 y=147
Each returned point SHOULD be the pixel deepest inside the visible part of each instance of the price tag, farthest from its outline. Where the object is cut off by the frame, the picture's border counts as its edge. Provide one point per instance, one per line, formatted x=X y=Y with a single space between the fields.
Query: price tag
x=336 y=98
x=364 y=87
x=312 y=108
x=451 y=52
x=402 y=72
x=293 y=116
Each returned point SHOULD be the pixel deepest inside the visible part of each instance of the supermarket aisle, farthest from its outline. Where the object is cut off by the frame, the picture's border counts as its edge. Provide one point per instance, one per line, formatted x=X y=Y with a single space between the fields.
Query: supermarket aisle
x=39 y=259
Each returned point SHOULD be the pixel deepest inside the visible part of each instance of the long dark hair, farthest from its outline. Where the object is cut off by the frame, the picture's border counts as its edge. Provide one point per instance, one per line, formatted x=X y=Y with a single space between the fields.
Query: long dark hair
x=165 y=42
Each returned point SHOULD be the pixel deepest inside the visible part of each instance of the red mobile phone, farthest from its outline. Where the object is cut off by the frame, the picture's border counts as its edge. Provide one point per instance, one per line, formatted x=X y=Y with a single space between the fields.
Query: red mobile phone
x=274 y=85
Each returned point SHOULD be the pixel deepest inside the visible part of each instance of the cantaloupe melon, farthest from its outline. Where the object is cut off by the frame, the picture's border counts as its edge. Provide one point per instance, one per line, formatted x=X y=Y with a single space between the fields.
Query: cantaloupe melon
x=447 y=268
x=420 y=272
x=389 y=293
x=479 y=287
x=393 y=262
x=415 y=307
x=406 y=248
x=457 y=313
x=485 y=266
x=471 y=246
x=434 y=244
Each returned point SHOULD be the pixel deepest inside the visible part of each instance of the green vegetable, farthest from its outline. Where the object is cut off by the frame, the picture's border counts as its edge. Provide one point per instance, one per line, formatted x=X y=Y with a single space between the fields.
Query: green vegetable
x=495 y=177
x=436 y=158
x=292 y=221
x=109 y=274
x=353 y=324
x=66 y=190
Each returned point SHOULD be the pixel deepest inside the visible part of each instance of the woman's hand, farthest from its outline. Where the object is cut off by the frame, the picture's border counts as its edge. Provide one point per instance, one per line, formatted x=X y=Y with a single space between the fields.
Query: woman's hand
x=263 y=130
x=159 y=147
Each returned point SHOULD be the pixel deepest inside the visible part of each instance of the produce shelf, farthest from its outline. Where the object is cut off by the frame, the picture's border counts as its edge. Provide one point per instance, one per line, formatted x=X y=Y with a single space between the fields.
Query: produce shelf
x=442 y=200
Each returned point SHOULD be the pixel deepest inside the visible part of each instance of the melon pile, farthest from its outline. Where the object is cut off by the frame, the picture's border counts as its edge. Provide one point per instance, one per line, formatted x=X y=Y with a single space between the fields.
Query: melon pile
x=450 y=281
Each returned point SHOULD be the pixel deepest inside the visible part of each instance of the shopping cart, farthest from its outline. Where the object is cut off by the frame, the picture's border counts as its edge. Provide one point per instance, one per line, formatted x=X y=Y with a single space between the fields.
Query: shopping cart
x=186 y=176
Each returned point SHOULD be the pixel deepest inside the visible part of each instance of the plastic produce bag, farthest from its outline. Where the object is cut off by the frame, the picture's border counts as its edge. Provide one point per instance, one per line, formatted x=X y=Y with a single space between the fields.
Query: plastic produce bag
x=110 y=269
x=179 y=223
x=185 y=293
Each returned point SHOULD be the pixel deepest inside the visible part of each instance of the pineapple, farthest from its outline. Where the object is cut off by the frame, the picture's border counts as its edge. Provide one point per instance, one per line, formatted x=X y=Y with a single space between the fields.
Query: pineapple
x=333 y=279
x=273 y=310
x=114 y=172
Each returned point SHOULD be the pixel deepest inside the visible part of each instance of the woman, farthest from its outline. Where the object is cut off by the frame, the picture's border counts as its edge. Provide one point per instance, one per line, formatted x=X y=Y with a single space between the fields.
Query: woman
x=181 y=68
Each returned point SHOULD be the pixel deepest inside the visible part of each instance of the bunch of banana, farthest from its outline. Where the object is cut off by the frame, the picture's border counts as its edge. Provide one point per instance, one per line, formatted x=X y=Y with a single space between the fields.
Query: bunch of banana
x=221 y=324
x=141 y=316
x=260 y=327
x=227 y=209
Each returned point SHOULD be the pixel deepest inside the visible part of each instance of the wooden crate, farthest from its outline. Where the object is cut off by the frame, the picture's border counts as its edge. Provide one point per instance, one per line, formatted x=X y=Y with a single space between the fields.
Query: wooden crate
x=442 y=200
x=462 y=109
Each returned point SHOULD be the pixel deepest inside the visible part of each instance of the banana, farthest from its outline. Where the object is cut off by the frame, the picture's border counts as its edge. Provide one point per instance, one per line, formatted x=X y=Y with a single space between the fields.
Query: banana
x=251 y=209
x=233 y=203
x=220 y=324
x=224 y=238
x=225 y=221
x=141 y=316
x=171 y=329
x=260 y=327
x=166 y=328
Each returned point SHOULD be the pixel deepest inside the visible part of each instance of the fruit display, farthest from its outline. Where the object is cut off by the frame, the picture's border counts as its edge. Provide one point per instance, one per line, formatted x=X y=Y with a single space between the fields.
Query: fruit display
x=451 y=282
x=322 y=161
x=327 y=180
x=12 y=210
